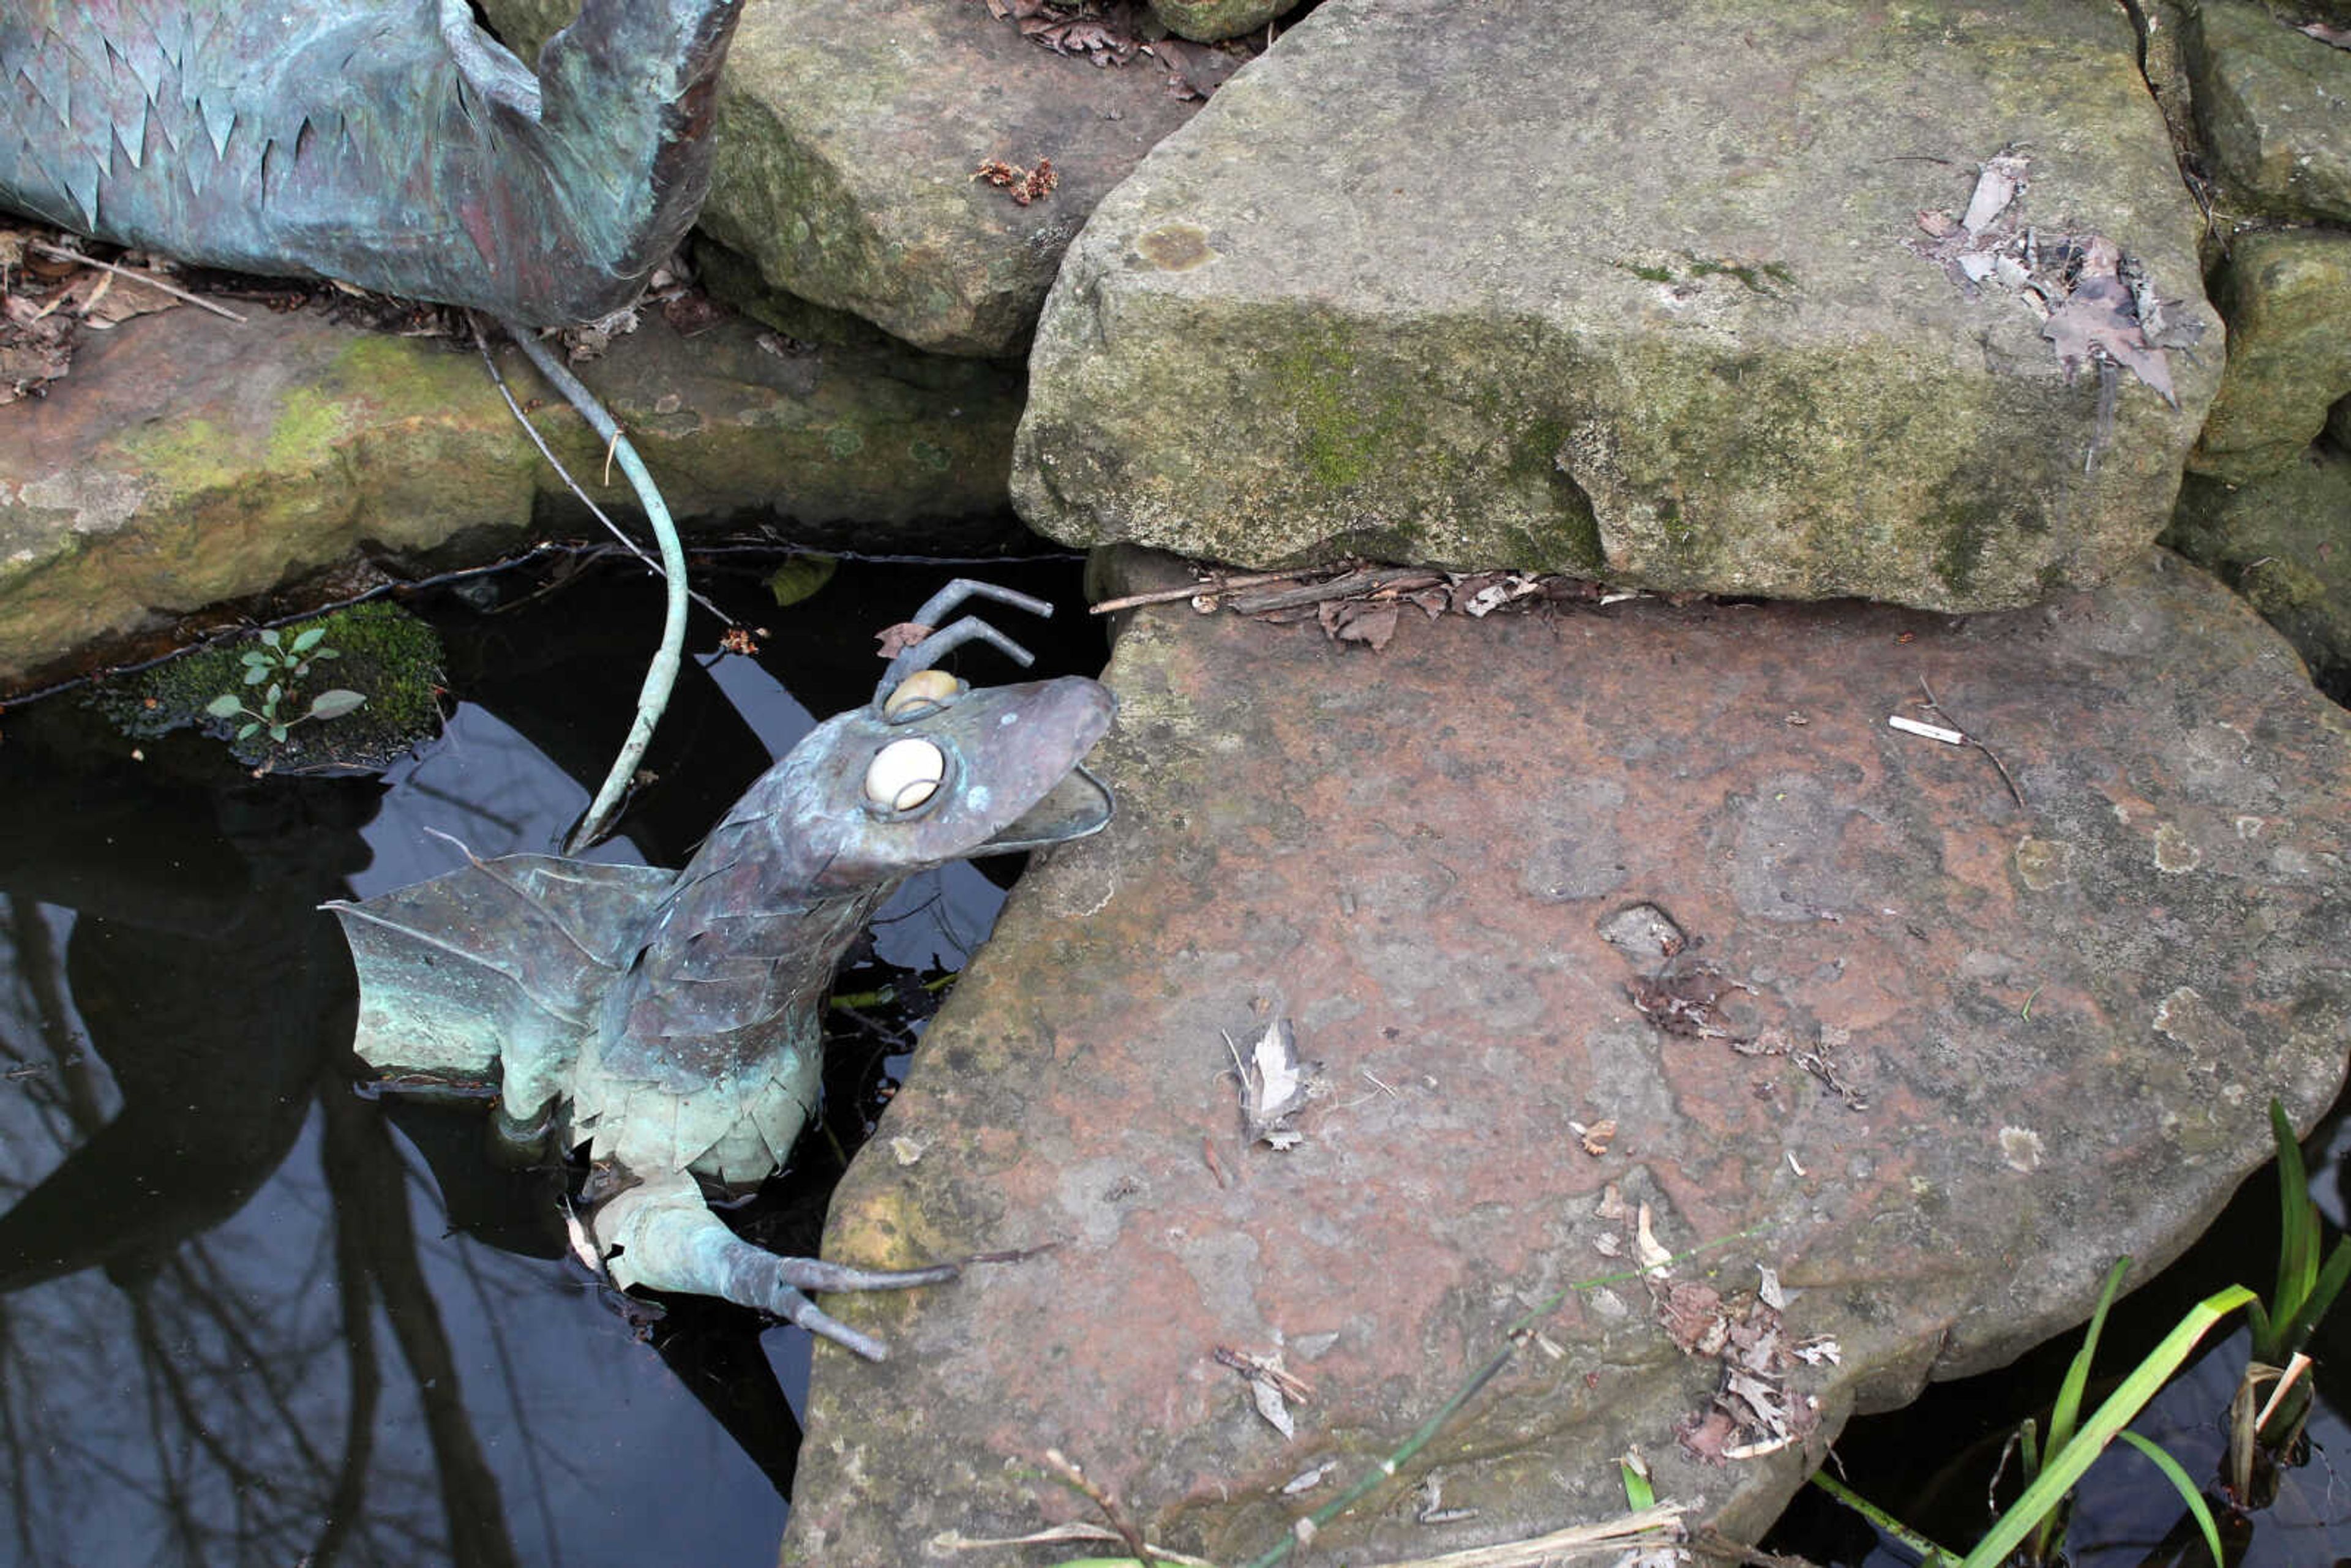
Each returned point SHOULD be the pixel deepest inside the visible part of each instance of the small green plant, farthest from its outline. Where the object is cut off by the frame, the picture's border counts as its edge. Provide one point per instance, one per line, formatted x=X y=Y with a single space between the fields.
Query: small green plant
x=2036 y=1519
x=279 y=666
x=2260 y=1431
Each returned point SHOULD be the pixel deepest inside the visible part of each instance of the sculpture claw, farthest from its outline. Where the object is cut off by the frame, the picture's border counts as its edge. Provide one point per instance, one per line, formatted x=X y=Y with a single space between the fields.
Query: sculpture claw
x=661 y=1234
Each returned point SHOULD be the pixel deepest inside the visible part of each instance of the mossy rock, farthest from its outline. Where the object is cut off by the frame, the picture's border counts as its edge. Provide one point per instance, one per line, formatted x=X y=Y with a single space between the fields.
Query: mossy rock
x=381 y=650
x=2283 y=542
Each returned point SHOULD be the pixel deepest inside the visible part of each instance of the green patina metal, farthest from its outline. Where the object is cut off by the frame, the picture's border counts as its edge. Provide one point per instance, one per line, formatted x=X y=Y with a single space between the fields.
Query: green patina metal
x=395 y=146
x=669 y=1020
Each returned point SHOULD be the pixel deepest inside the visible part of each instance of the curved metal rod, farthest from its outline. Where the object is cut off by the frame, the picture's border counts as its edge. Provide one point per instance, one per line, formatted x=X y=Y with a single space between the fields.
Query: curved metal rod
x=931 y=649
x=934 y=609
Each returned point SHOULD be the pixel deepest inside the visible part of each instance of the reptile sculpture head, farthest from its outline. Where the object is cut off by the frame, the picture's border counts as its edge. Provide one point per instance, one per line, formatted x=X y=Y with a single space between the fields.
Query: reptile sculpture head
x=669 y=1021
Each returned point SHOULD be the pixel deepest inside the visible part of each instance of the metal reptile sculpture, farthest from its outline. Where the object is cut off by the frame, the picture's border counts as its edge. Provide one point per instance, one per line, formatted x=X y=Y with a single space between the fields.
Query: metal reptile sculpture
x=392 y=145
x=670 y=1019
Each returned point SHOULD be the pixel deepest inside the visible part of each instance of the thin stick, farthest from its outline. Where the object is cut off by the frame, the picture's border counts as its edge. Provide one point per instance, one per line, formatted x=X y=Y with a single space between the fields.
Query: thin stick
x=498 y=381
x=1364 y=579
x=1210 y=586
x=2005 y=777
x=1075 y=1478
x=1712 y=1542
x=661 y=673
x=136 y=275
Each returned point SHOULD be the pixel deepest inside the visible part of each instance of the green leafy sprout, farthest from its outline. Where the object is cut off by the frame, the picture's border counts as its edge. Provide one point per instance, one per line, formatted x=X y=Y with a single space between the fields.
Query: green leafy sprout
x=278 y=665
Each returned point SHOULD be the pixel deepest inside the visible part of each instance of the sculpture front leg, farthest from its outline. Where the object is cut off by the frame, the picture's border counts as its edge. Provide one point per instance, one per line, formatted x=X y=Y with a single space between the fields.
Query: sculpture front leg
x=661 y=1234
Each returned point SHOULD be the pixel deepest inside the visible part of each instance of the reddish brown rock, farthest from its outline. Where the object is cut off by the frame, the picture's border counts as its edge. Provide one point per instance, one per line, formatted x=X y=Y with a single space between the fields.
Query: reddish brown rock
x=2055 y=1024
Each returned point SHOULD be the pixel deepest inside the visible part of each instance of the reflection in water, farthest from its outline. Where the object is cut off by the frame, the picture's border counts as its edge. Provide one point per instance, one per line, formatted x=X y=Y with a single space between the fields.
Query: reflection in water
x=249 y=1316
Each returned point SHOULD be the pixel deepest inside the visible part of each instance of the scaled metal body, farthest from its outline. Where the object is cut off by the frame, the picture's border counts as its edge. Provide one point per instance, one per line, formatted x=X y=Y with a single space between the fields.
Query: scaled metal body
x=388 y=143
x=672 y=1018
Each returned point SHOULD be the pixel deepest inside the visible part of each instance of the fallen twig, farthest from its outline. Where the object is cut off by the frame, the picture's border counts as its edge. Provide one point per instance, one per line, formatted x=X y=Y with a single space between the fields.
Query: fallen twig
x=1129 y=1534
x=957 y=1541
x=1712 y=1543
x=1935 y=705
x=1208 y=588
x=1657 y=1525
x=136 y=275
x=1362 y=581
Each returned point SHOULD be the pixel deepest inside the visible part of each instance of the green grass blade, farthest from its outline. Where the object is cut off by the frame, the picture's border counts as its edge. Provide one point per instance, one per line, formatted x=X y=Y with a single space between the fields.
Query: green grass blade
x=2315 y=1306
x=2265 y=1336
x=2297 y=1244
x=2184 y=1487
x=1638 y=1493
x=2068 y=1409
x=2062 y=1468
x=1929 y=1555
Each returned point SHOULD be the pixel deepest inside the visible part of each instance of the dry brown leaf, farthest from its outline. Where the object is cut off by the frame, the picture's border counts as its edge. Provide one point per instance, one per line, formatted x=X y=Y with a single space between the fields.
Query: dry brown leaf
x=2099 y=320
x=896 y=640
x=1354 y=620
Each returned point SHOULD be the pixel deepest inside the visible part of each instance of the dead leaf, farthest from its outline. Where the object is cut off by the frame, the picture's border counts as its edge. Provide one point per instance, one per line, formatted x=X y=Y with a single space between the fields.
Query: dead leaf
x=2100 y=320
x=1193 y=70
x=1653 y=1256
x=1270 y=1404
x=1706 y=1436
x=1353 y=620
x=2000 y=182
x=2339 y=37
x=1692 y=1317
x=1275 y=1086
x=896 y=640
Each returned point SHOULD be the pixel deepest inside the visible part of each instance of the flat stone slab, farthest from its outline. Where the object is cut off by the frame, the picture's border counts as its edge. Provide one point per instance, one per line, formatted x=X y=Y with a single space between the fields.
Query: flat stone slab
x=1624 y=290
x=2059 y=1024
x=186 y=459
x=847 y=141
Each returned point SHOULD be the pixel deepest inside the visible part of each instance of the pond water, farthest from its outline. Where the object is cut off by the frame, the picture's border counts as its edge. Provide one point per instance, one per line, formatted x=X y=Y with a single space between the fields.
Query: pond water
x=1931 y=1463
x=248 y=1315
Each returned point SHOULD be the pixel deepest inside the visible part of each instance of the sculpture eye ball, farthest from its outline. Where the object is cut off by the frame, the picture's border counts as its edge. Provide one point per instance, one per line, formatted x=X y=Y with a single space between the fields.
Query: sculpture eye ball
x=904 y=773
x=923 y=690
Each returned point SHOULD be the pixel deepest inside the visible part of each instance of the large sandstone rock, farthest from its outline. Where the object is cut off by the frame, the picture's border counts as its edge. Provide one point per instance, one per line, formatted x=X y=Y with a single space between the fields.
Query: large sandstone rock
x=1622 y=290
x=2059 y=1021
x=847 y=140
x=2287 y=297
x=187 y=460
x=2283 y=541
x=2275 y=105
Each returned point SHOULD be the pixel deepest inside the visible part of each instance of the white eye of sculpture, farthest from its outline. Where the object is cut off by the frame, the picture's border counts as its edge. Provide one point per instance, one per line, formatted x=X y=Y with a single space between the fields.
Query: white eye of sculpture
x=923 y=689
x=905 y=773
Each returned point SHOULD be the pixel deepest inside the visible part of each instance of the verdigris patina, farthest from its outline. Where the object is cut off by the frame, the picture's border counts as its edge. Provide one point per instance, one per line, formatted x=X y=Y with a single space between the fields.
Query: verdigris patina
x=391 y=144
x=670 y=1018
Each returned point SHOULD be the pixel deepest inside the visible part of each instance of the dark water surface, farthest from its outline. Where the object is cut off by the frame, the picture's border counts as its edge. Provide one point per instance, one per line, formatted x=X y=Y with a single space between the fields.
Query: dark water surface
x=1931 y=1463
x=249 y=1316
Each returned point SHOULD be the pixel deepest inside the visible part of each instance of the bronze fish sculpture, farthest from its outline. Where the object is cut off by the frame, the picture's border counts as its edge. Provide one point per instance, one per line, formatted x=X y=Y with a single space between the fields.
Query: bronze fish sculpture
x=394 y=146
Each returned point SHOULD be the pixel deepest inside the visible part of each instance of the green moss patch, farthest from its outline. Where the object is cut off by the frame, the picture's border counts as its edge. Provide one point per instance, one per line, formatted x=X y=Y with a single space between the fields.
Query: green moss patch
x=383 y=652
